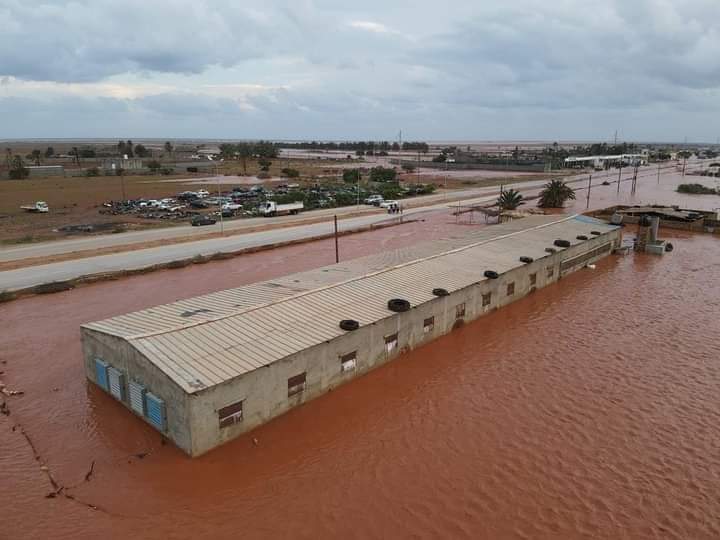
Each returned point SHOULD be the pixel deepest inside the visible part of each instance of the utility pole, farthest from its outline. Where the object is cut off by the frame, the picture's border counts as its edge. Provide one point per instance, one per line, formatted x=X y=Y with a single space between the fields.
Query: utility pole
x=217 y=180
x=619 y=177
x=337 y=251
x=122 y=183
x=418 y=168
x=684 y=163
x=587 y=206
x=446 y=178
x=658 y=173
x=634 y=179
x=358 y=189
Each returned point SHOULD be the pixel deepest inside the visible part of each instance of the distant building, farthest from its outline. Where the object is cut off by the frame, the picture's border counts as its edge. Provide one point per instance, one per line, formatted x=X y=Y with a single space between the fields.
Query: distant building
x=45 y=170
x=127 y=164
x=599 y=162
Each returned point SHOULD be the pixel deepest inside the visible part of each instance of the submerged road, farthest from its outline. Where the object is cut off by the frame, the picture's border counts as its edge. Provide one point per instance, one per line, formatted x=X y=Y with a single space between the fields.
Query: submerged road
x=22 y=278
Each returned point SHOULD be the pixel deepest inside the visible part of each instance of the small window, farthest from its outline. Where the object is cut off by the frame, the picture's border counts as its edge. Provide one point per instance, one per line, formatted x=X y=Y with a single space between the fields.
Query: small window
x=486 y=299
x=533 y=279
x=550 y=271
x=348 y=361
x=511 y=288
x=296 y=384
x=232 y=414
x=460 y=311
x=428 y=325
x=391 y=343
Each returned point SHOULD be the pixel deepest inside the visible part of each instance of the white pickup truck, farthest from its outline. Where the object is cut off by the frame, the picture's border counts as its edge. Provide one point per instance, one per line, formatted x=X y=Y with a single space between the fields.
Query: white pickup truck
x=271 y=208
x=39 y=207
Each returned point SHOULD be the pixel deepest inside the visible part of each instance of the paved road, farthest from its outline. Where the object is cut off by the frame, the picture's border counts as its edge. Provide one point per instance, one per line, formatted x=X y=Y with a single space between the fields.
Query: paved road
x=91 y=243
x=35 y=275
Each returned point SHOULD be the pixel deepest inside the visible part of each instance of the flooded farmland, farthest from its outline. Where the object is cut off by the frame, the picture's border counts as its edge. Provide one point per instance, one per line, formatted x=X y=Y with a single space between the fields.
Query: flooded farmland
x=586 y=410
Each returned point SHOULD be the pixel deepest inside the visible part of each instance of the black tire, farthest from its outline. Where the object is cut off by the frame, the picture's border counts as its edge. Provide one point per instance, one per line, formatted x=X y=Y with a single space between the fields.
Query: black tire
x=562 y=243
x=440 y=292
x=581 y=237
x=398 y=305
x=349 y=325
x=669 y=247
x=491 y=274
x=526 y=260
x=550 y=250
x=595 y=233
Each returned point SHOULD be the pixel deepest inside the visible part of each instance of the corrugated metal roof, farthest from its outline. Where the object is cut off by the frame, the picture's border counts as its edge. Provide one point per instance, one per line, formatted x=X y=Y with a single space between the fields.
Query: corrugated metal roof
x=204 y=341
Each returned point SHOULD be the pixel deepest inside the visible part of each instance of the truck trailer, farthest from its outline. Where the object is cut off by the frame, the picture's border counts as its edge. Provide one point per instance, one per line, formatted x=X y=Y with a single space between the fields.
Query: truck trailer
x=271 y=208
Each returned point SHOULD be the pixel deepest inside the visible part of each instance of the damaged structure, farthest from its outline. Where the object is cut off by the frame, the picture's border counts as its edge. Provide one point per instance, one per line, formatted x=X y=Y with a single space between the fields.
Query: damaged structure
x=204 y=370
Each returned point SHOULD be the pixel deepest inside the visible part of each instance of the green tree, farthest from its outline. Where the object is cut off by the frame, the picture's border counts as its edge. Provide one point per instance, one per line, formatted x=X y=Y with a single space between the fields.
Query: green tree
x=168 y=148
x=87 y=152
x=509 y=199
x=555 y=193
x=264 y=164
x=141 y=151
x=36 y=156
x=244 y=152
x=129 y=148
x=154 y=166
x=228 y=150
x=408 y=167
x=18 y=171
x=383 y=174
x=50 y=152
x=351 y=175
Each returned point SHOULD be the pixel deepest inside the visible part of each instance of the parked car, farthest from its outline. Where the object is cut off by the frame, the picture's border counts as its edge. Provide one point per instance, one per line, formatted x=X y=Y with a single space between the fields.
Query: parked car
x=374 y=200
x=198 y=203
x=202 y=220
x=388 y=204
x=202 y=193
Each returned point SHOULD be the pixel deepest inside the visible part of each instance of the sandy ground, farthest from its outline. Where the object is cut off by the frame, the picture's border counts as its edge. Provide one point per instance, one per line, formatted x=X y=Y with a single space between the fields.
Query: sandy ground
x=231 y=179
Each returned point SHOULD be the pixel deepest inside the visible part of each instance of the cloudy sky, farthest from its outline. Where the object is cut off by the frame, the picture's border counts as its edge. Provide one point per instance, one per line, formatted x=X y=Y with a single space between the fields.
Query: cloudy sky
x=300 y=69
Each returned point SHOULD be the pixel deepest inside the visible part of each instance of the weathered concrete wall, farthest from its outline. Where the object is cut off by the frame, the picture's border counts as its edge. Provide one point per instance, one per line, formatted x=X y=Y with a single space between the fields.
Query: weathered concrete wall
x=264 y=392
x=122 y=356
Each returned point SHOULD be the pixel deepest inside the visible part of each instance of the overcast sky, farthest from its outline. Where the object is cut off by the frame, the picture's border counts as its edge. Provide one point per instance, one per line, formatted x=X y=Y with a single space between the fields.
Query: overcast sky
x=461 y=70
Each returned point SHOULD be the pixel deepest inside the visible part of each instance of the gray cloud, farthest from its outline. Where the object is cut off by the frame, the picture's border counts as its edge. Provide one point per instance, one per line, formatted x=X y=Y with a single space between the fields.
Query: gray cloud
x=323 y=69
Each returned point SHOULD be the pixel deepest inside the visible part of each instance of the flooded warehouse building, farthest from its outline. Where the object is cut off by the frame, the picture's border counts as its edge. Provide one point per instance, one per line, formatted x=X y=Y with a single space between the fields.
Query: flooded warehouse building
x=204 y=370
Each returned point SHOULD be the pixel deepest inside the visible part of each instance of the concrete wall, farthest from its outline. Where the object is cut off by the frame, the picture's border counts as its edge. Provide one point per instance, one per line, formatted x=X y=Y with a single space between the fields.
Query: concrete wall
x=264 y=392
x=123 y=356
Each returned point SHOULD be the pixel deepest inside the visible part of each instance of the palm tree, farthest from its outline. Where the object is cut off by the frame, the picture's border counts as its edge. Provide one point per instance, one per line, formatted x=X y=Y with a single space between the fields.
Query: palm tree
x=509 y=200
x=555 y=193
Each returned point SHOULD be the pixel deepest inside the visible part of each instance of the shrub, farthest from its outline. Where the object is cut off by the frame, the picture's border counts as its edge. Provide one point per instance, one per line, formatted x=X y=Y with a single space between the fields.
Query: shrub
x=696 y=189
x=290 y=173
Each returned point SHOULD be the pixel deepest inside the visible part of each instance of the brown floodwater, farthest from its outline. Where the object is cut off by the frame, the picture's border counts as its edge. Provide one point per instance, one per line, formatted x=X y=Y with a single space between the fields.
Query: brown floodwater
x=587 y=410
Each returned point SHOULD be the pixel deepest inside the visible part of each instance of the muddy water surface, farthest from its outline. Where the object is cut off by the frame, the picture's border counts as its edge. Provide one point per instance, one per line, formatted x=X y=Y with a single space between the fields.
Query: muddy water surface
x=587 y=410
